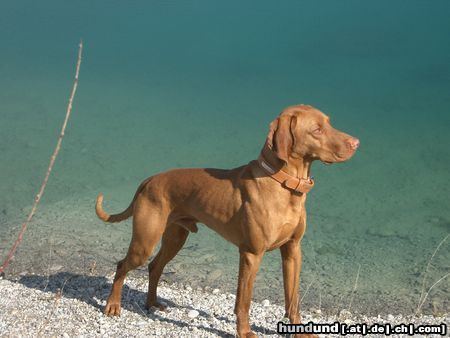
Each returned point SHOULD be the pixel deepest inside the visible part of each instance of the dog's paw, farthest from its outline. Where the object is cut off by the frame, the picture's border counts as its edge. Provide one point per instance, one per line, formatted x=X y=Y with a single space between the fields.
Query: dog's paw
x=112 y=309
x=161 y=306
x=305 y=335
x=249 y=334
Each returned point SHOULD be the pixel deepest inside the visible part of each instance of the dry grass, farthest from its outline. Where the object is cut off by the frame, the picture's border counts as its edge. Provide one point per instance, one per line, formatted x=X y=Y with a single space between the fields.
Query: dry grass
x=424 y=295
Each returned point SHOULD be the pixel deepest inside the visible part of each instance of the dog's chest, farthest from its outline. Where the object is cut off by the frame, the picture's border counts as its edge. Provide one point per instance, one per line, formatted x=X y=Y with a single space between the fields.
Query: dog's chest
x=290 y=223
x=279 y=218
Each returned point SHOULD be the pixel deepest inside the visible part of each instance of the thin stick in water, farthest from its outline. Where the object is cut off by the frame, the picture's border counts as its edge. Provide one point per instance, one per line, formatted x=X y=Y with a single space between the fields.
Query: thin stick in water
x=50 y=166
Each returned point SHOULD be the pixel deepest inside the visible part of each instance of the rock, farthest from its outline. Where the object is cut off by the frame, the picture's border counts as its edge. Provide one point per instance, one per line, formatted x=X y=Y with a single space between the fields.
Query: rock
x=215 y=291
x=209 y=258
x=193 y=314
x=265 y=302
x=213 y=275
x=390 y=317
x=345 y=314
x=56 y=267
x=285 y=320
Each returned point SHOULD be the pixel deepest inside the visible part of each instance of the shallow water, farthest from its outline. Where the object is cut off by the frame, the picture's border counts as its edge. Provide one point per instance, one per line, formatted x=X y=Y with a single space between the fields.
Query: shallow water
x=195 y=84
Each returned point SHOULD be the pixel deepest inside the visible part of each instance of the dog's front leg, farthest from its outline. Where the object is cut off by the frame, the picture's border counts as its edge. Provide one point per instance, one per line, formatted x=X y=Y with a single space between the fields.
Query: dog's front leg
x=248 y=267
x=292 y=264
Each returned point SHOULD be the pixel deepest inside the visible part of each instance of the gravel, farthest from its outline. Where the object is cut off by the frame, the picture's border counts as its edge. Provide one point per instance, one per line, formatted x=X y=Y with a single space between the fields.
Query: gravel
x=68 y=305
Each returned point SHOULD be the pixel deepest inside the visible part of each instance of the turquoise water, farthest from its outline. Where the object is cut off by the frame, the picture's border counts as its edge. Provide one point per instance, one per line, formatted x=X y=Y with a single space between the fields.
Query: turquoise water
x=196 y=84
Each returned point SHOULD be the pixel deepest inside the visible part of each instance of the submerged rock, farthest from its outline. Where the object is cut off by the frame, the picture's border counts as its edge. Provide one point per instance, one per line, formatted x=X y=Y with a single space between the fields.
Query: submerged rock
x=215 y=274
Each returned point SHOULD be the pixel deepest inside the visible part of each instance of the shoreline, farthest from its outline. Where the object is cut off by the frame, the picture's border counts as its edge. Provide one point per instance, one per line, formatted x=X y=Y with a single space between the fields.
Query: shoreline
x=66 y=304
x=335 y=276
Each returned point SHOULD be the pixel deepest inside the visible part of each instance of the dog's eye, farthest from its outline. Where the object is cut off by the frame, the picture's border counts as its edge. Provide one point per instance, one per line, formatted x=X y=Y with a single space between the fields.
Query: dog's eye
x=317 y=131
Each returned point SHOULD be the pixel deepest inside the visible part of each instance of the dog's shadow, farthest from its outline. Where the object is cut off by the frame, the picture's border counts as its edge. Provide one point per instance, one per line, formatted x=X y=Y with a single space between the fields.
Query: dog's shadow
x=94 y=291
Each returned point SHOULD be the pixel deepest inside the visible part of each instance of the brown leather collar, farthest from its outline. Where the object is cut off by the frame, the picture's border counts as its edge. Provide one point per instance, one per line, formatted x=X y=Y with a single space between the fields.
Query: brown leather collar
x=294 y=183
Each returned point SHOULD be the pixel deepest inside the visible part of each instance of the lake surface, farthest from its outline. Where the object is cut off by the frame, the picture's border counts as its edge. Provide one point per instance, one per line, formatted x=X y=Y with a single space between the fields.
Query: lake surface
x=196 y=84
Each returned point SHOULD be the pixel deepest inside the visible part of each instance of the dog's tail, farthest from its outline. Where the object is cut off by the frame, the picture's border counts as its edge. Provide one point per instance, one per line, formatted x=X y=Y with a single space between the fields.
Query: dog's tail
x=128 y=212
x=112 y=218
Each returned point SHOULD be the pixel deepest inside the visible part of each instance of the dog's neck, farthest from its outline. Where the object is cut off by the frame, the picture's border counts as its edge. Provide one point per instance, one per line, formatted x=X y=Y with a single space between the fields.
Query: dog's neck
x=297 y=167
x=293 y=175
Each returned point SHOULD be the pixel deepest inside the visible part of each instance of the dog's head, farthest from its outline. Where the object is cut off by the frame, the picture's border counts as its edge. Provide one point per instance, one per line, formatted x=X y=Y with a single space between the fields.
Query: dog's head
x=305 y=132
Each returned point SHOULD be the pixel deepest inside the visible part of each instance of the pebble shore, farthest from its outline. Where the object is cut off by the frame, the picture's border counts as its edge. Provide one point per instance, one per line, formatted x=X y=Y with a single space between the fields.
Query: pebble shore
x=70 y=305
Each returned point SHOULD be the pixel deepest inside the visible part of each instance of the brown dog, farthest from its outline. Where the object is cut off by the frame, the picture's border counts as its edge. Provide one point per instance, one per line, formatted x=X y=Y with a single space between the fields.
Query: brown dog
x=258 y=207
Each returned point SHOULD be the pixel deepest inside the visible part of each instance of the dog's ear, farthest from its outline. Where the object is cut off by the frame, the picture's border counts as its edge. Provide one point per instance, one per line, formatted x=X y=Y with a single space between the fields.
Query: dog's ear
x=281 y=137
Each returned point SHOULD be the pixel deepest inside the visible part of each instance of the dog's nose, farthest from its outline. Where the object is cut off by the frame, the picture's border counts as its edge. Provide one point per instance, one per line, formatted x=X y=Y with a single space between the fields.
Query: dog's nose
x=353 y=143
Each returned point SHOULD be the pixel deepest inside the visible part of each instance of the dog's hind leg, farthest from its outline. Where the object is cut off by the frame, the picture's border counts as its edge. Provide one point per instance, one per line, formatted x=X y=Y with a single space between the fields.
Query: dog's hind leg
x=172 y=241
x=149 y=223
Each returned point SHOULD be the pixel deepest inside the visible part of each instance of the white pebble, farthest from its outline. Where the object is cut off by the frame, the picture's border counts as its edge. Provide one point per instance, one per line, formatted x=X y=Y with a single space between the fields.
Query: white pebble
x=215 y=291
x=193 y=314
x=265 y=302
